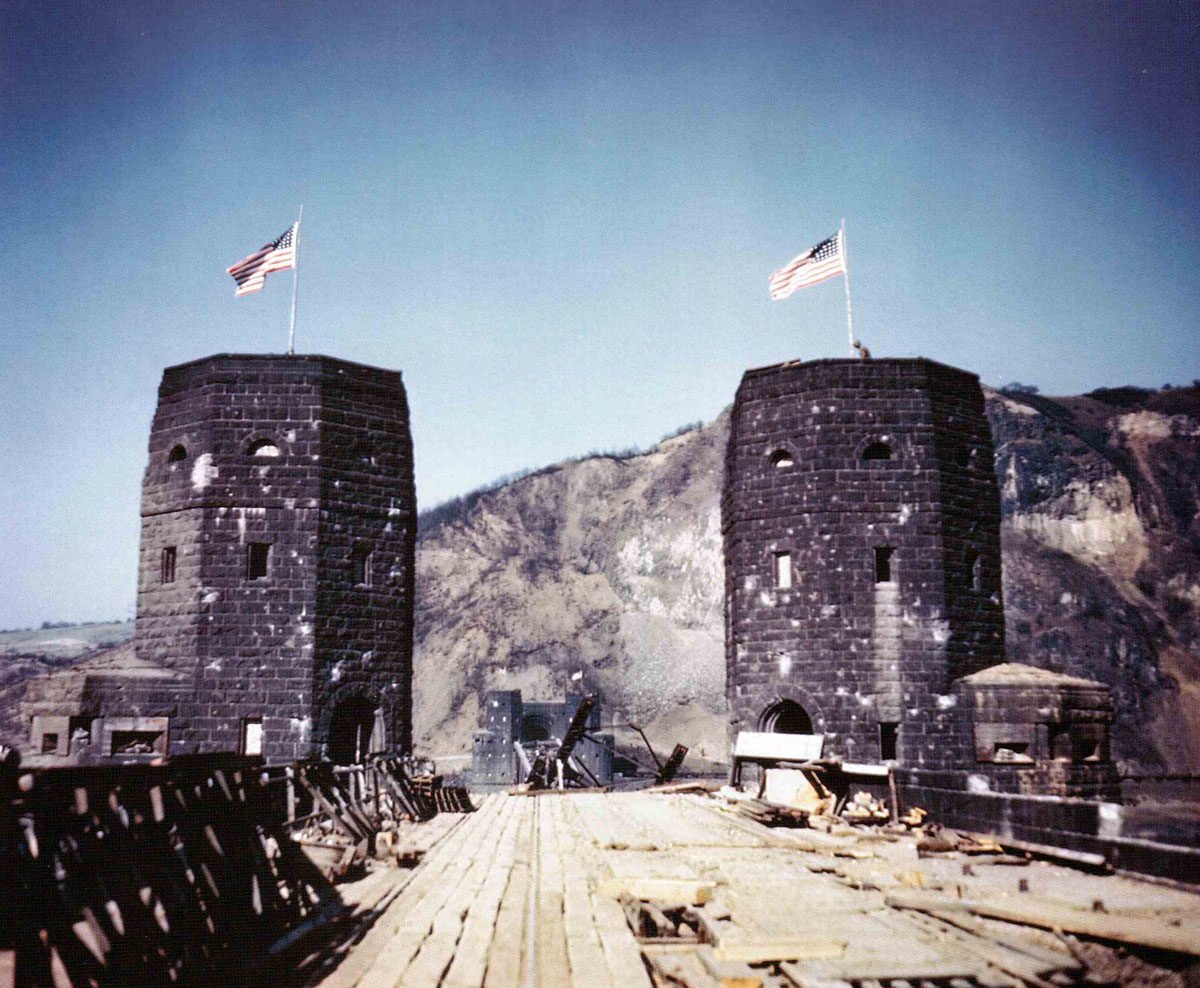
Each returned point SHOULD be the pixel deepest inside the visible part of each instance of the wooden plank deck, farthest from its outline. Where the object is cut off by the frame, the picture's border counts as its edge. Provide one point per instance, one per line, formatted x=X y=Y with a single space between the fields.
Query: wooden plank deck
x=528 y=892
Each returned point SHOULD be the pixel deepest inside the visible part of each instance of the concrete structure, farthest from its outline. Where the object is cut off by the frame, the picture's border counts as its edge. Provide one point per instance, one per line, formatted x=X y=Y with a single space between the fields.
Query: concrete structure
x=861 y=521
x=1037 y=731
x=508 y=720
x=275 y=586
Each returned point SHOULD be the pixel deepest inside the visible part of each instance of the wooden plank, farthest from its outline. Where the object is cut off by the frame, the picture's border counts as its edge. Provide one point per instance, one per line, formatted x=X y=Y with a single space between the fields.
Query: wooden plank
x=728 y=974
x=553 y=964
x=470 y=897
x=373 y=961
x=1086 y=859
x=673 y=891
x=506 y=955
x=804 y=979
x=588 y=964
x=620 y=946
x=891 y=969
x=752 y=949
x=1136 y=930
x=1140 y=931
x=469 y=964
x=676 y=968
x=1014 y=963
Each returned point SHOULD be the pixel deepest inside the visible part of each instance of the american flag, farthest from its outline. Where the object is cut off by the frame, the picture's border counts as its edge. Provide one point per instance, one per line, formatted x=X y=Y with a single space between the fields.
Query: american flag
x=251 y=272
x=814 y=265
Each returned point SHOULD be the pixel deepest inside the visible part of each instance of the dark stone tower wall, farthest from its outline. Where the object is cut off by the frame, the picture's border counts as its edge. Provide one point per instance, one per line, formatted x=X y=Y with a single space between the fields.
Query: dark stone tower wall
x=368 y=509
x=805 y=477
x=288 y=646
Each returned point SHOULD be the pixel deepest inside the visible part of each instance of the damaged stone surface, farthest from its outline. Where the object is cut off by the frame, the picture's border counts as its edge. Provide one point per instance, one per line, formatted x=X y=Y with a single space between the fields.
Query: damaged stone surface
x=275 y=583
x=861 y=521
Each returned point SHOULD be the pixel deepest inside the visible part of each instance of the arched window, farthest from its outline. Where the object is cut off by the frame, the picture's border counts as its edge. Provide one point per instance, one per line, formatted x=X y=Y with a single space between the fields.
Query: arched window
x=785 y=717
x=263 y=448
x=877 y=451
x=781 y=459
x=177 y=454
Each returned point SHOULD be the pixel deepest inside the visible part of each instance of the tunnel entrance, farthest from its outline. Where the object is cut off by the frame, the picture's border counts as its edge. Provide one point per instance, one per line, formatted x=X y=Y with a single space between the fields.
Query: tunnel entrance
x=535 y=727
x=785 y=717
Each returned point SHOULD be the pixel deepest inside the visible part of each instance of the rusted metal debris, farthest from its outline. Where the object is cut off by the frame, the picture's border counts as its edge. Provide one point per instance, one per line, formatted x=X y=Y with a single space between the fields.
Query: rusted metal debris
x=552 y=767
x=670 y=768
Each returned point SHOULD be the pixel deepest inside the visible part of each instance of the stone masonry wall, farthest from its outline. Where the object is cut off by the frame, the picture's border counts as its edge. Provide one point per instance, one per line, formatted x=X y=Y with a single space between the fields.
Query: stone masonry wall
x=834 y=462
x=244 y=452
x=1057 y=731
x=367 y=537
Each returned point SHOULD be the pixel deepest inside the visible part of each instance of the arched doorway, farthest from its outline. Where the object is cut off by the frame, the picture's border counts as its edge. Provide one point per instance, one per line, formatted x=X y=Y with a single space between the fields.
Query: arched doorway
x=350 y=730
x=785 y=717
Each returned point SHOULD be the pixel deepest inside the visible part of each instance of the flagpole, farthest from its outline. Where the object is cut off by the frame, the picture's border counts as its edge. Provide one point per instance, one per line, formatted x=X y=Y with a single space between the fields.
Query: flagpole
x=846 y=280
x=295 y=281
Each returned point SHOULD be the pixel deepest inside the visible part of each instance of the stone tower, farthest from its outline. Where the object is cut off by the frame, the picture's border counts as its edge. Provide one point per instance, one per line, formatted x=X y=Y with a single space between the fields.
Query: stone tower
x=861 y=522
x=276 y=569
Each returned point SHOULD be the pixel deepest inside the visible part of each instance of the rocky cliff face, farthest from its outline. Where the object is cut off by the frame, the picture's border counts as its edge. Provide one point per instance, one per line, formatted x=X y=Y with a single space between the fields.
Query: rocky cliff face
x=1102 y=554
x=605 y=574
x=602 y=574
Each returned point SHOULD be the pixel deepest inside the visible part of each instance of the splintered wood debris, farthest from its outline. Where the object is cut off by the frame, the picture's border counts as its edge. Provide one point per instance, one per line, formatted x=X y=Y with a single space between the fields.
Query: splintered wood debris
x=681 y=889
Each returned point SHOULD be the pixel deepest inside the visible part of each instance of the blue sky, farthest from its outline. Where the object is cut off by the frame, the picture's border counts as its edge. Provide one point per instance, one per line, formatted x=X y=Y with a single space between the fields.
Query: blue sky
x=558 y=219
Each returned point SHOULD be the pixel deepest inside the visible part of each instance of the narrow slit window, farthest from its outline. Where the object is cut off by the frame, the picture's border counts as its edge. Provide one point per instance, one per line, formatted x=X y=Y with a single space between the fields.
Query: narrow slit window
x=252 y=736
x=783 y=570
x=883 y=563
x=258 y=555
x=977 y=574
x=167 y=566
x=360 y=566
x=889 y=734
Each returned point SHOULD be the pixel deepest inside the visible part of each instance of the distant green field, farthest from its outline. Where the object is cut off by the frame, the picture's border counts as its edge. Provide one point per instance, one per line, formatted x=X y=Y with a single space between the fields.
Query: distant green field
x=65 y=642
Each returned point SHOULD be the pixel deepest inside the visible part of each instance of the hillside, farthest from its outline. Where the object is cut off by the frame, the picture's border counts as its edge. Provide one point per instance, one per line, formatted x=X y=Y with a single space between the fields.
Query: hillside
x=606 y=574
x=603 y=574
x=36 y=651
x=1101 y=502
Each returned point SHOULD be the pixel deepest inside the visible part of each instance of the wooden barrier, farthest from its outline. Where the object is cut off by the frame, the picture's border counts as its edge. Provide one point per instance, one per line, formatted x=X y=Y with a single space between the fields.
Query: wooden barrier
x=179 y=873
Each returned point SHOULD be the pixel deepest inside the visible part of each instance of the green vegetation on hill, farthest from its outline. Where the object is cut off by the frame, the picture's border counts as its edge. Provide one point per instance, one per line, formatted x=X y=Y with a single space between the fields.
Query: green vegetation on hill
x=63 y=640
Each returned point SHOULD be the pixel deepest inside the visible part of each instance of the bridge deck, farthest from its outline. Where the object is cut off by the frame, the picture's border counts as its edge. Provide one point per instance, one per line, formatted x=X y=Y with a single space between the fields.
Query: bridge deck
x=539 y=890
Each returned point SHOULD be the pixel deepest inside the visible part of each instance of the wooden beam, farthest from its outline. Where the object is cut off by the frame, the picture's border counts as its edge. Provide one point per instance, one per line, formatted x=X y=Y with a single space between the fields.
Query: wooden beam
x=673 y=891
x=759 y=949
